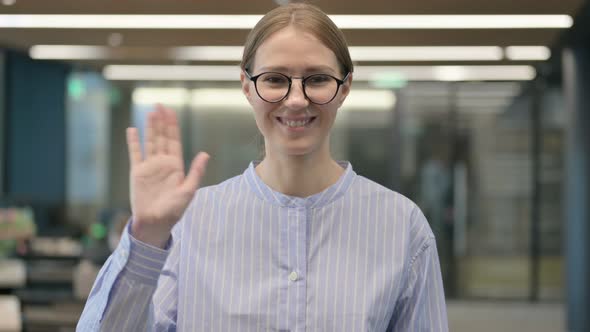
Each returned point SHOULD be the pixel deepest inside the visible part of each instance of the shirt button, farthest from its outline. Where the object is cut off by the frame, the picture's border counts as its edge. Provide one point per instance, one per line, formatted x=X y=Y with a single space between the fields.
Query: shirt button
x=293 y=276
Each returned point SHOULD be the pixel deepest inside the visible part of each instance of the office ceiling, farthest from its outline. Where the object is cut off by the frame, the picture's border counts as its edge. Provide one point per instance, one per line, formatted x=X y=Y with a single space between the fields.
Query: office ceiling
x=149 y=46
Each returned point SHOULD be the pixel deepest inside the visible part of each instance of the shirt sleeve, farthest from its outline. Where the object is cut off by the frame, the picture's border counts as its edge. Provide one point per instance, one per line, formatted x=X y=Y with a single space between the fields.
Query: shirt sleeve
x=135 y=290
x=421 y=307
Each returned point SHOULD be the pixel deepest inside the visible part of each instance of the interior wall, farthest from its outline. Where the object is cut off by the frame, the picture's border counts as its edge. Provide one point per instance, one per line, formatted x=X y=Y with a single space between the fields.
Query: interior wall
x=35 y=133
x=2 y=129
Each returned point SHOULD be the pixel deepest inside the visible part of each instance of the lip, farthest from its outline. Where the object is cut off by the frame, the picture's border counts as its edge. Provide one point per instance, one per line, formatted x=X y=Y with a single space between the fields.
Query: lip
x=298 y=118
x=281 y=121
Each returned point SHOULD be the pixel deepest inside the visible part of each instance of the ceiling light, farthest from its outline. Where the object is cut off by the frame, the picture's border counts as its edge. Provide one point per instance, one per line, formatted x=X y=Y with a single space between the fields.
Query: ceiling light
x=362 y=99
x=484 y=73
x=448 y=73
x=210 y=53
x=25 y=21
x=540 y=53
x=130 y=21
x=86 y=52
x=207 y=99
x=426 y=53
x=166 y=96
x=362 y=73
x=233 y=99
x=452 y=21
x=171 y=73
x=358 y=53
x=70 y=52
x=234 y=53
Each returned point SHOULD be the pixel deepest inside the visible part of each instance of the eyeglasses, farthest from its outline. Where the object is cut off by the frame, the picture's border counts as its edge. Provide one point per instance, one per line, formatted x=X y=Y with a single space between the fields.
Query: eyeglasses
x=274 y=87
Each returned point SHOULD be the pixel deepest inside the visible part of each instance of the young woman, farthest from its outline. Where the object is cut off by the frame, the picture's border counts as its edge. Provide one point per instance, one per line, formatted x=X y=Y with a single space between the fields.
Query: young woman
x=298 y=242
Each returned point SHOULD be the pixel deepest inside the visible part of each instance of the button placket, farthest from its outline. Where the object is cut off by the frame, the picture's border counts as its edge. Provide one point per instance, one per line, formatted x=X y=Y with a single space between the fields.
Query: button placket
x=293 y=229
x=298 y=219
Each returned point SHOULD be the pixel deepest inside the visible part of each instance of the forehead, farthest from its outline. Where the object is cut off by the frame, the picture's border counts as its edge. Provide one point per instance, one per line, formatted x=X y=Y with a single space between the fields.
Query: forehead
x=295 y=50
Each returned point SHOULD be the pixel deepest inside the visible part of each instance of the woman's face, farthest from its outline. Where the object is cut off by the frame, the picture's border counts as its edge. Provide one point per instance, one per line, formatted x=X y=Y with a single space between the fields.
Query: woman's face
x=294 y=126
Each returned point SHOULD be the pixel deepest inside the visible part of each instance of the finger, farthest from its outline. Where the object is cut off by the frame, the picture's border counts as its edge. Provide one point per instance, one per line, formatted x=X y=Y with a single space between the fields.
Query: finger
x=133 y=147
x=160 y=129
x=150 y=135
x=193 y=179
x=173 y=140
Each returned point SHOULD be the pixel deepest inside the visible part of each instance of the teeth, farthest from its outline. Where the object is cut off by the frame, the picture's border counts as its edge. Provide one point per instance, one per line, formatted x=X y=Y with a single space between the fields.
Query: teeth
x=300 y=123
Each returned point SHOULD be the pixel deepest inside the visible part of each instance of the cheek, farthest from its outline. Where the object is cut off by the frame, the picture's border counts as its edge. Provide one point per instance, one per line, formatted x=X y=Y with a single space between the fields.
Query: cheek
x=330 y=116
x=262 y=116
x=259 y=117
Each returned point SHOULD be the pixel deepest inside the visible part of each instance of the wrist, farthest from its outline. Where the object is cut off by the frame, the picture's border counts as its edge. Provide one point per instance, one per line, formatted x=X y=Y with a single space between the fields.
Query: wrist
x=154 y=235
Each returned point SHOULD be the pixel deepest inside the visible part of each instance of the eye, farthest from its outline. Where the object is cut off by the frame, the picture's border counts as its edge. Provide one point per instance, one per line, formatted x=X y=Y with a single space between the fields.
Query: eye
x=319 y=79
x=274 y=79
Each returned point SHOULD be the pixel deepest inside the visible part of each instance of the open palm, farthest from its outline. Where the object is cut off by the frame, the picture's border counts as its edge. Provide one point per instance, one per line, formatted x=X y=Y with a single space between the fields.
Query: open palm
x=160 y=190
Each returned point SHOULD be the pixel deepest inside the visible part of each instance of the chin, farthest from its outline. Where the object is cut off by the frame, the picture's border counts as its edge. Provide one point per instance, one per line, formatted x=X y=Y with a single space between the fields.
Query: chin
x=299 y=150
x=296 y=147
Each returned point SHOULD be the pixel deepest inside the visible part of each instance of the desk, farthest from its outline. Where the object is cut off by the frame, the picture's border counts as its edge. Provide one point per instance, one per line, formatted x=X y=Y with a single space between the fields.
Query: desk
x=13 y=273
x=10 y=312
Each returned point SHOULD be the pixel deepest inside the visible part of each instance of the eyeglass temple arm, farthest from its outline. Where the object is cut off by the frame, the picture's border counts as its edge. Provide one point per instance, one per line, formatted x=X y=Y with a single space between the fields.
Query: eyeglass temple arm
x=245 y=70
x=345 y=78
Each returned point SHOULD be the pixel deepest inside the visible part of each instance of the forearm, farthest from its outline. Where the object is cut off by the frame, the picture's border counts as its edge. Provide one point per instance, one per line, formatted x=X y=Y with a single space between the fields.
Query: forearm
x=122 y=294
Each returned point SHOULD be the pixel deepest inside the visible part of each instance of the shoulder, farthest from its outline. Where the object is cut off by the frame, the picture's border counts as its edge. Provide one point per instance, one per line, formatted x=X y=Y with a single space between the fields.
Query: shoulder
x=406 y=224
x=228 y=187
x=385 y=197
x=398 y=209
x=207 y=199
x=222 y=193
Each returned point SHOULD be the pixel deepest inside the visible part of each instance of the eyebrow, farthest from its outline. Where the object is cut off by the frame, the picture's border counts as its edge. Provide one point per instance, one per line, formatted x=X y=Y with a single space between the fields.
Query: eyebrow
x=313 y=69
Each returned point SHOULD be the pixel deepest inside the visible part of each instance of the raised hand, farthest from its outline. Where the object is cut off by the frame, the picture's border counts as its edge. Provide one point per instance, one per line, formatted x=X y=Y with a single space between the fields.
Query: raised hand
x=160 y=190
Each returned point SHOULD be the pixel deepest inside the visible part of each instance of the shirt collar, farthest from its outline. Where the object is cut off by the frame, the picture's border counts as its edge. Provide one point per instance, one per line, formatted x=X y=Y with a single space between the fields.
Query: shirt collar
x=322 y=198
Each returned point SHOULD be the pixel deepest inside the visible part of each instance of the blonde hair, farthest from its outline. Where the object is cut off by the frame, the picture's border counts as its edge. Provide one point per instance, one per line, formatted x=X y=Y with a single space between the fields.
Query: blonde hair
x=306 y=17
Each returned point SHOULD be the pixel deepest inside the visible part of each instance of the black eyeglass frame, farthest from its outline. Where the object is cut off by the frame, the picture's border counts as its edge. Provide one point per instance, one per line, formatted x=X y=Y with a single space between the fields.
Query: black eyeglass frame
x=290 y=79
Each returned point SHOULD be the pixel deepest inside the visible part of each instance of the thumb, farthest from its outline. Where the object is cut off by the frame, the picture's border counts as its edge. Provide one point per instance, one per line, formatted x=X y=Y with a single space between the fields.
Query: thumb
x=196 y=172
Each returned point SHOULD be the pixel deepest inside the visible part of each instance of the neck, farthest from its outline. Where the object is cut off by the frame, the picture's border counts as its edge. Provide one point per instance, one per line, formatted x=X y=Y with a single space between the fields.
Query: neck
x=299 y=176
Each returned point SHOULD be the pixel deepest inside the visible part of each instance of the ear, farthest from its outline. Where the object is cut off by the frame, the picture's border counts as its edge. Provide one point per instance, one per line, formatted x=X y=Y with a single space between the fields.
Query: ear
x=245 y=85
x=345 y=90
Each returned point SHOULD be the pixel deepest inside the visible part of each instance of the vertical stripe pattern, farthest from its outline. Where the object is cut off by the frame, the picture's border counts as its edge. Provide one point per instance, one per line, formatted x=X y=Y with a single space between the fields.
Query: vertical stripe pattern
x=355 y=257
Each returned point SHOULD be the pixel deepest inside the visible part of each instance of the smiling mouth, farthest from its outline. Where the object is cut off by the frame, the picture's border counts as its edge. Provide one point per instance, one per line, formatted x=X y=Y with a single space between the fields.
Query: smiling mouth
x=296 y=123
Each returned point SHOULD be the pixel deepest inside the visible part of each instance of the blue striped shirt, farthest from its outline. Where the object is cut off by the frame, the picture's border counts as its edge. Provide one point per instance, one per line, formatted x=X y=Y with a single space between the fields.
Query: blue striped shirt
x=355 y=257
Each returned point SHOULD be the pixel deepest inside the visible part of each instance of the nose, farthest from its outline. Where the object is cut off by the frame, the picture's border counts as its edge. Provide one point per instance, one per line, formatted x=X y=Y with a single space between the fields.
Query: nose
x=296 y=98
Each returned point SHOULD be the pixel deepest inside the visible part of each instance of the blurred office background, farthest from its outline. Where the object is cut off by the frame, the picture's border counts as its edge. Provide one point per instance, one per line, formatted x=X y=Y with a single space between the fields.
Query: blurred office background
x=480 y=120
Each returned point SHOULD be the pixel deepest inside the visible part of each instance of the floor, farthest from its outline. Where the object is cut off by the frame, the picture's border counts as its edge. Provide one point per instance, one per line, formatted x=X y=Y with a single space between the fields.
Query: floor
x=505 y=316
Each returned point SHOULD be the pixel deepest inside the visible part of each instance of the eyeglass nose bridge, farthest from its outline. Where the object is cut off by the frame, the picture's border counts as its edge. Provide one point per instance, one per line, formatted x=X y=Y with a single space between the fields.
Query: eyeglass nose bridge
x=302 y=78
